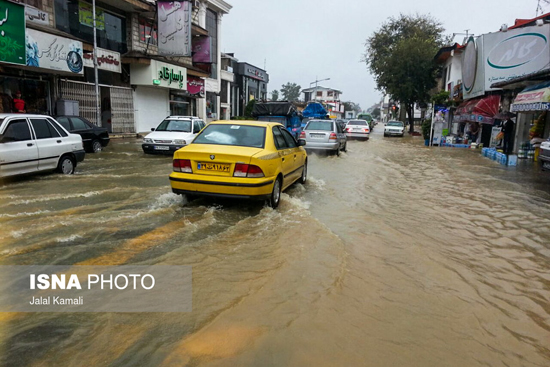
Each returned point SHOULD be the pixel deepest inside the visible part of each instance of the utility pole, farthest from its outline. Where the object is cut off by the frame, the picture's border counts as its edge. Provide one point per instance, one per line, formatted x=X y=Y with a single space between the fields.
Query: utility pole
x=98 y=112
x=316 y=82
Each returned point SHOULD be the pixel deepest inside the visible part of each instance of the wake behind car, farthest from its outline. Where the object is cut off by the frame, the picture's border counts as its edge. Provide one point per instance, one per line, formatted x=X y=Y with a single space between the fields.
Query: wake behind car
x=358 y=129
x=394 y=128
x=241 y=160
x=173 y=133
x=33 y=143
x=94 y=138
x=324 y=135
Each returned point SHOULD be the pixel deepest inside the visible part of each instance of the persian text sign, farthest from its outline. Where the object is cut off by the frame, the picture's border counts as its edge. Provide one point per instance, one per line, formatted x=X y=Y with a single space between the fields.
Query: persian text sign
x=53 y=52
x=195 y=86
x=86 y=16
x=12 y=32
x=202 y=48
x=174 y=28
x=36 y=15
x=133 y=288
x=106 y=60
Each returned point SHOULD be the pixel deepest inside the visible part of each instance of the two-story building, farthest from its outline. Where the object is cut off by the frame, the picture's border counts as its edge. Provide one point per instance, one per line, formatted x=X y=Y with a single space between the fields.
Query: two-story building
x=328 y=96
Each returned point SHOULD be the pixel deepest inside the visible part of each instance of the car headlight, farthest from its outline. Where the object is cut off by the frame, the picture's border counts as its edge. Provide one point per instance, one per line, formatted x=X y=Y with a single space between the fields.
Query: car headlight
x=147 y=140
x=179 y=142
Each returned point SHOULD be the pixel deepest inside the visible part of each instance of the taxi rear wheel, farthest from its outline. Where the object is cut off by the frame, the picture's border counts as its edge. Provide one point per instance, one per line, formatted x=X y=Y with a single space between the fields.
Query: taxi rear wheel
x=275 y=194
x=303 y=178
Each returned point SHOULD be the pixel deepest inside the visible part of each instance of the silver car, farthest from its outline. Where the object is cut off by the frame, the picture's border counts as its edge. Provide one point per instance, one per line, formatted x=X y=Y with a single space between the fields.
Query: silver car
x=358 y=129
x=324 y=135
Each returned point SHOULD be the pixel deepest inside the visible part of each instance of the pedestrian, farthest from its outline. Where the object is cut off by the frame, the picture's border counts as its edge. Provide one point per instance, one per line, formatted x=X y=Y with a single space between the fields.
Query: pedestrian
x=508 y=139
x=18 y=103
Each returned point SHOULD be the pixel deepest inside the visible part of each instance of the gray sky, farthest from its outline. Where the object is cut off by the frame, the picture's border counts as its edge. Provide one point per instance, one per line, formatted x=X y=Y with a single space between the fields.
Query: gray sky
x=301 y=40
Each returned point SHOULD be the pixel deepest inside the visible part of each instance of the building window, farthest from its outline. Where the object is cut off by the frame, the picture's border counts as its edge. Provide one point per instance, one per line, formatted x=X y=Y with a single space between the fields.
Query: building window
x=73 y=17
x=148 y=32
x=212 y=28
x=211 y=105
x=330 y=93
x=319 y=94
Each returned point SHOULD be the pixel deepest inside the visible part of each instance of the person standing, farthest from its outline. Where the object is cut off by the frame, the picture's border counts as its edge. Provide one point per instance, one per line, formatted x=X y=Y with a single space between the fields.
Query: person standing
x=18 y=103
x=508 y=139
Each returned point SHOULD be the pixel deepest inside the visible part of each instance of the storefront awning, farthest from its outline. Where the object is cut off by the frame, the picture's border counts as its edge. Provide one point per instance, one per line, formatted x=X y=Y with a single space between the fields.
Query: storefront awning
x=533 y=98
x=480 y=110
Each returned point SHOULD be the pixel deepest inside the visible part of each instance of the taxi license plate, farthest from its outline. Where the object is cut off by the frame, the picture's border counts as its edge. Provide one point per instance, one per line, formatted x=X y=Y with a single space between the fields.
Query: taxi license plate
x=162 y=147
x=213 y=167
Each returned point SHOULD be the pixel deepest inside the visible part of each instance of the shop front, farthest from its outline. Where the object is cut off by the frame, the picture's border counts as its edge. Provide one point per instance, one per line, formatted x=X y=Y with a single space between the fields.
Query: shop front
x=474 y=122
x=162 y=89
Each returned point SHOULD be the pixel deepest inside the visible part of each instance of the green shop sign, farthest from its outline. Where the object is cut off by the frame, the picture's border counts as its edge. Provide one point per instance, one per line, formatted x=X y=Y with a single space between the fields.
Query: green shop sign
x=12 y=33
x=171 y=76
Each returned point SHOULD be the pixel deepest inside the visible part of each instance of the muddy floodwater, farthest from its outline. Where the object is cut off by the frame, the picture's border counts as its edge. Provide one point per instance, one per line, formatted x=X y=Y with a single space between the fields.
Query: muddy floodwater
x=391 y=255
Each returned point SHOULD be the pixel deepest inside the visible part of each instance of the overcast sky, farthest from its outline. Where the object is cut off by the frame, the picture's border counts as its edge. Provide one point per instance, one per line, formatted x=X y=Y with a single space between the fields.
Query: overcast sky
x=303 y=40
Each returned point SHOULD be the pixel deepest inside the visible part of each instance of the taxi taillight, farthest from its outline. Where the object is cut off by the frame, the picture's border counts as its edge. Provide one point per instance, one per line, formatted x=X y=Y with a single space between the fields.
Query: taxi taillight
x=247 y=170
x=182 y=165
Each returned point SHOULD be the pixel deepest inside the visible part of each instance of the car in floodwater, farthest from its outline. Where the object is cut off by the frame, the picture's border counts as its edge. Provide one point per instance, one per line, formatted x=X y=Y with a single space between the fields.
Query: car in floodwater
x=357 y=129
x=94 y=138
x=324 y=135
x=34 y=143
x=396 y=128
x=240 y=160
x=173 y=133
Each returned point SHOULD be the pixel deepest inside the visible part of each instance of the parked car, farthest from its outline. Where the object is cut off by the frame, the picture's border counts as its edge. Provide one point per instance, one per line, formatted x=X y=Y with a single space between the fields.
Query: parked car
x=240 y=159
x=33 y=143
x=324 y=135
x=357 y=129
x=173 y=133
x=94 y=138
x=394 y=128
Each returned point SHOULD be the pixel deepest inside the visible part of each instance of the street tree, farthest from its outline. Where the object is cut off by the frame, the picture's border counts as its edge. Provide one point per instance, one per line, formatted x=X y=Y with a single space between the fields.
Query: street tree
x=291 y=91
x=375 y=113
x=275 y=95
x=400 y=56
x=352 y=106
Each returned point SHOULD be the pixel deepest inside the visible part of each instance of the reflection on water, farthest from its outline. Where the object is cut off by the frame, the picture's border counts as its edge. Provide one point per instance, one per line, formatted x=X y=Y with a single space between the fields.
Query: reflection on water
x=392 y=255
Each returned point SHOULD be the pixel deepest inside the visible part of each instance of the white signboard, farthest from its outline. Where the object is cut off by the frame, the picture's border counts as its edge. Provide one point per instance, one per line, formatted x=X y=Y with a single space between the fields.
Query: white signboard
x=106 y=60
x=53 y=52
x=36 y=15
x=515 y=53
x=473 y=72
x=159 y=74
x=174 y=28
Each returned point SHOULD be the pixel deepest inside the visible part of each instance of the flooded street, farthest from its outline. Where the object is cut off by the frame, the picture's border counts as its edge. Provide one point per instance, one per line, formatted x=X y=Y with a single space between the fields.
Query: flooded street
x=391 y=255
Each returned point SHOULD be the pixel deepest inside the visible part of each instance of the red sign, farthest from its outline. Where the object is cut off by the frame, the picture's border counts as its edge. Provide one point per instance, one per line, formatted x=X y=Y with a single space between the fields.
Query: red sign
x=202 y=47
x=195 y=86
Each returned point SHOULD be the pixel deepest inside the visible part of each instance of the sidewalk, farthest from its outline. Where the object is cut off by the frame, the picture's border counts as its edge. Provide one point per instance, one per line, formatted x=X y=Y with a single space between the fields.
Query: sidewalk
x=126 y=135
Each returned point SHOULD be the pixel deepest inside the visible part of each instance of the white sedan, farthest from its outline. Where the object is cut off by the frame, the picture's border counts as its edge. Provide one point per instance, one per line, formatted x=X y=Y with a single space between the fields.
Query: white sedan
x=173 y=133
x=394 y=128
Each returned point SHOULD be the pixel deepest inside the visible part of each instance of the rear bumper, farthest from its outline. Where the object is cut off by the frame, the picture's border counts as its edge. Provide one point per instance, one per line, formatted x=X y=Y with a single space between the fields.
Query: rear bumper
x=321 y=146
x=358 y=135
x=544 y=155
x=79 y=155
x=225 y=196
x=154 y=148
x=237 y=187
x=390 y=132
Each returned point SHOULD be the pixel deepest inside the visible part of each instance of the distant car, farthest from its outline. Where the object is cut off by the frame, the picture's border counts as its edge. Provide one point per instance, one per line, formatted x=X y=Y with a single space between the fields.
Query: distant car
x=324 y=135
x=394 y=128
x=33 y=143
x=94 y=138
x=173 y=133
x=357 y=129
x=240 y=160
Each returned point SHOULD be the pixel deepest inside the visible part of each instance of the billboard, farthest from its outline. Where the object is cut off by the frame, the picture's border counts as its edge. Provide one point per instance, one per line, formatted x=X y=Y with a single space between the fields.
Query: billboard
x=174 y=28
x=53 y=52
x=12 y=31
x=202 y=49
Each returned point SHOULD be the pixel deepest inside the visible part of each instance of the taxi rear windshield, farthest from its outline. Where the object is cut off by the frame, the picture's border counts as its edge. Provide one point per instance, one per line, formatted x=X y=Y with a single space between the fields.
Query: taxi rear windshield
x=319 y=125
x=237 y=135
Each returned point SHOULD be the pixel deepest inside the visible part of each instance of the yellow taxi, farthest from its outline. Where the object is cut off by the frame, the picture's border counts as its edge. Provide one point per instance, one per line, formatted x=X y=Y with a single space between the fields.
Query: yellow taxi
x=240 y=159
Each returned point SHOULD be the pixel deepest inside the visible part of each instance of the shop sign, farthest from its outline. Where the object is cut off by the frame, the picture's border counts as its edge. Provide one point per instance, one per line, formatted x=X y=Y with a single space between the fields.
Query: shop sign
x=53 y=52
x=532 y=100
x=106 y=60
x=12 y=33
x=160 y=74
x=86 y=16
x=515 y=53
x=202 y=47
x=255 y=73
x=473 y=73
x=174 y=28
x=195 y=86
x=36 y=16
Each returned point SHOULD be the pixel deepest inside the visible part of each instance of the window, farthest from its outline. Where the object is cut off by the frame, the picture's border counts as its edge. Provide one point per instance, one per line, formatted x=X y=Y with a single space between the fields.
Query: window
x=79 y=124
x=57 y=127
x=17 y=130
x=288 y=138
x=212 y=28
x=237 y=135
x=196 y=127
x=319 y=94
x=319 y=125
x=43 y=129
x=35 y=3
x=148 y=32
x=64 y=121
x=278 y=138
x=330 y=93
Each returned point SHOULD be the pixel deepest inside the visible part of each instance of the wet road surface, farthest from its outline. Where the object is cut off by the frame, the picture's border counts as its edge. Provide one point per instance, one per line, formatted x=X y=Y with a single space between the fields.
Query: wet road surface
x=391 y=255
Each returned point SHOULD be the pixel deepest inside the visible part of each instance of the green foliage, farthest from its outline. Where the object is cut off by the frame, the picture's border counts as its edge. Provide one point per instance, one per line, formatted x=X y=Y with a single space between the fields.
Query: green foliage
x=426 y=126
x=441 y=98
x=376 y=113
x=275 y=95
x=351 y=106
x=400 y=56
x=291 y=91
x=248 y=109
